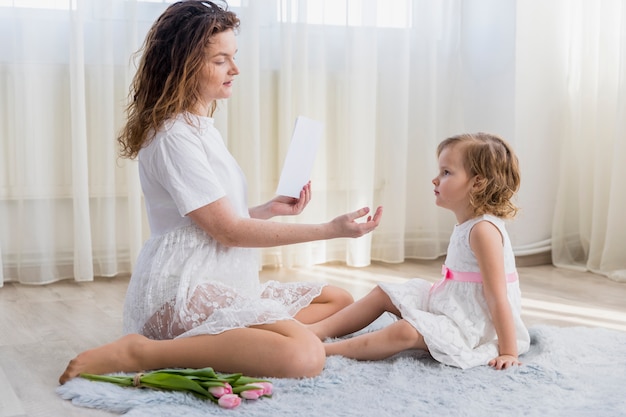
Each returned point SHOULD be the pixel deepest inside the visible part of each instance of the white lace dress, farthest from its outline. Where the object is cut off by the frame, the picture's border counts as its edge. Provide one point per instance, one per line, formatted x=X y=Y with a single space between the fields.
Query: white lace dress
x=452 y=315
x=184 y=282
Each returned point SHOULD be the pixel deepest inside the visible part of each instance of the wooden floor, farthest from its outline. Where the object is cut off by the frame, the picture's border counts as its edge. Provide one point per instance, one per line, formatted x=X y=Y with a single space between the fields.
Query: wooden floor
x=43 y=327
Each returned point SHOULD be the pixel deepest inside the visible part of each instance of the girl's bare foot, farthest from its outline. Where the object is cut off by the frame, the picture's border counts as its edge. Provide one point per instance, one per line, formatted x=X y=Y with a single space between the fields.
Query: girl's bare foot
x=119 y=356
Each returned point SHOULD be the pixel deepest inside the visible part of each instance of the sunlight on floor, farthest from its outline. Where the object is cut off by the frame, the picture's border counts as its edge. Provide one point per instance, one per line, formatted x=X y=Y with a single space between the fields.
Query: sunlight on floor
x=574 y=315
x=358 y=281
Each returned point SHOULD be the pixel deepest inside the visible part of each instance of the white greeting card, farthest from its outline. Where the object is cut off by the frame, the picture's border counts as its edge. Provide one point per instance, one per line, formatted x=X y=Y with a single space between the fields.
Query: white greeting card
x=300 y=157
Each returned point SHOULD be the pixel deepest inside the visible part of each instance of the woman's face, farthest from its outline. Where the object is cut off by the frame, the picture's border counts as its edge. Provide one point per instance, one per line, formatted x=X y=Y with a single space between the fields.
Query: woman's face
x=216 y=79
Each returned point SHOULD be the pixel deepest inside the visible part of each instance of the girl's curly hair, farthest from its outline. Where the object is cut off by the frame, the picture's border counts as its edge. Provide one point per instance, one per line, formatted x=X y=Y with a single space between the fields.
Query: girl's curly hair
x=492 y=160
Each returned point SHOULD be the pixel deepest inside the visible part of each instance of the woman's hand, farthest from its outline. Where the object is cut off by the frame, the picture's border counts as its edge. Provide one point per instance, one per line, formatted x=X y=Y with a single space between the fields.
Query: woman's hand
x=289 y=206
x=283 y=205
x=346 y=226
x=504 y=362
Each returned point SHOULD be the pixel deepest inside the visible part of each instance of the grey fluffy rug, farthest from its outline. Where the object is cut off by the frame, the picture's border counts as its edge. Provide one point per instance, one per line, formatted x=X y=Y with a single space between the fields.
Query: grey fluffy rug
x=571 y=371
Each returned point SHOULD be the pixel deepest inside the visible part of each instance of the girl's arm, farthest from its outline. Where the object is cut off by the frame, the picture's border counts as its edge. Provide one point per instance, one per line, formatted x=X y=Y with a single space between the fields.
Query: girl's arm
x=486 y=242
x=220 y=221
x=282 y=205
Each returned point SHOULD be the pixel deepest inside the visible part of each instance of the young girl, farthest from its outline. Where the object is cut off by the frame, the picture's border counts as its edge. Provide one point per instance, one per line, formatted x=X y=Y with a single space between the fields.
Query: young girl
x=472 y=316
x=194 y=299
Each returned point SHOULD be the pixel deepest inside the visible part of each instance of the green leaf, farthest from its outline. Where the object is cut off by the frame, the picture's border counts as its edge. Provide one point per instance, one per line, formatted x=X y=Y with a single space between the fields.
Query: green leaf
x=240 y=388
x=199 y=373
x=172 y=382
x=207 y=384
x=244 y=380
x=229 y=377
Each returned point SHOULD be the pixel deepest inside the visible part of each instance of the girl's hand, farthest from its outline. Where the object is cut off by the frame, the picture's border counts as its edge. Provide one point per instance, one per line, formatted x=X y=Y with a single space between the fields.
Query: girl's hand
x=346 y=226
x=504 y=362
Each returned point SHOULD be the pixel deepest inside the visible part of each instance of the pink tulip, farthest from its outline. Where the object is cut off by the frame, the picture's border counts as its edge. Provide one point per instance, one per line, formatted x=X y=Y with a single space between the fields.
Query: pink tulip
x=219 y=392
x=252 y=394
x=229 y=401
x=268 y=388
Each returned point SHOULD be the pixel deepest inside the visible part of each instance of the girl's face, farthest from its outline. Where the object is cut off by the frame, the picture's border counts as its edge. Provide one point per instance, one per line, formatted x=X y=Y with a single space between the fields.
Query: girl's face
x=216 y=79
x=453 y=184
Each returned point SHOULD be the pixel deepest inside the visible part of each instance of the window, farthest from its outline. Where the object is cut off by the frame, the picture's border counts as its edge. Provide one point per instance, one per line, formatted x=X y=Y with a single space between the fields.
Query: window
x=39 y=4
x=376 y=13
x=66 y=4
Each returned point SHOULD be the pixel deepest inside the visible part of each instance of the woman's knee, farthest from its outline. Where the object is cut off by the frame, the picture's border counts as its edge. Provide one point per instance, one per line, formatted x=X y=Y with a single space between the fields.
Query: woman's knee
x=335 y=296
x=341 y=297
x=305 y=357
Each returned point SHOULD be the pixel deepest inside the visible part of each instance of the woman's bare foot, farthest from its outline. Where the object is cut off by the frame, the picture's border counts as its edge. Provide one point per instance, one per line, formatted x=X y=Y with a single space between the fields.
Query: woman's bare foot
x=118 y=356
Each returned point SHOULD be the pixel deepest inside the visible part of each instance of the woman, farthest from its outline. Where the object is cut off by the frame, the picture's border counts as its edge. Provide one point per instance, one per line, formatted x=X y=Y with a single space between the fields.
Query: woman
x=195 y=299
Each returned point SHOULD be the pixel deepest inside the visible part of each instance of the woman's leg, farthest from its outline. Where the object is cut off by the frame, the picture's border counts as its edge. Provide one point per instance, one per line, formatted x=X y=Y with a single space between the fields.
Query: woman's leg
x=331 y=300
x=285 y=349
x=381 y=344
x=355 y=316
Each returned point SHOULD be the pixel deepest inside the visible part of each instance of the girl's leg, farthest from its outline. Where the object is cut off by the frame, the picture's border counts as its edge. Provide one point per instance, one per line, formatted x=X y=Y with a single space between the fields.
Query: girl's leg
x=380 y=344
x=331 y=300
x=355 y=316
x=284 y=349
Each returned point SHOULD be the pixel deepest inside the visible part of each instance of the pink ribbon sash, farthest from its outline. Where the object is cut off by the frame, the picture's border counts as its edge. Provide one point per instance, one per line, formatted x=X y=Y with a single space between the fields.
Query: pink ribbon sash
x=470 y=276
x=476 y=277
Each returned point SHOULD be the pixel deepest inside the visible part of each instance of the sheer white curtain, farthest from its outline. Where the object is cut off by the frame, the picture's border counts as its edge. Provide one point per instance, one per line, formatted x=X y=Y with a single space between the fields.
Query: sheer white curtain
x=388 y=89
x=68 y=207
x=589 y=230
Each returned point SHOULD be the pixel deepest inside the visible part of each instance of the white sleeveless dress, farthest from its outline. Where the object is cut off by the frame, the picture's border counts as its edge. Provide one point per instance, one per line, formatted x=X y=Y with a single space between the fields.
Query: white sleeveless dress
x=185 y=283
x=453 y=316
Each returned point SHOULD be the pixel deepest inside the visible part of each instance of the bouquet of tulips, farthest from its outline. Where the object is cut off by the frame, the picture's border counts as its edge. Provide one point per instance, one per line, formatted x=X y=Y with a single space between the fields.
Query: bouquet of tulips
x=226 y=390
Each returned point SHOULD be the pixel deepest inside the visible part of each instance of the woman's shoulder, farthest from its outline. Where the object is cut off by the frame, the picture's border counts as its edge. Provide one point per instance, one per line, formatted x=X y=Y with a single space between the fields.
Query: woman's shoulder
x=185 y=124
x=178 y=130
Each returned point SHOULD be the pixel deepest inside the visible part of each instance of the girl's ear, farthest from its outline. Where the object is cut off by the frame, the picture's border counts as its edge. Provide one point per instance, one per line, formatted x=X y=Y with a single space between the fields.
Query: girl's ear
x=479 y=181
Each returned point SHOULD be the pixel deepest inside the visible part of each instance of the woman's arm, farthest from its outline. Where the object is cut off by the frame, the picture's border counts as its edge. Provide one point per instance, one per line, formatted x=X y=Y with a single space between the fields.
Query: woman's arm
x=220 y=221
x=486 y=242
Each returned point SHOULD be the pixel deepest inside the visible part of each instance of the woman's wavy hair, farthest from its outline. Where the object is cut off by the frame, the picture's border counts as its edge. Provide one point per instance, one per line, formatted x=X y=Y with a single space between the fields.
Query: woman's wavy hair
x=167 y=79
x=492 y=160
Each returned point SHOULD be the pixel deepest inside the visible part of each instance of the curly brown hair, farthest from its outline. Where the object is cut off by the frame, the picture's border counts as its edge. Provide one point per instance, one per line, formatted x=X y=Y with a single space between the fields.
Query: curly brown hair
x=167 y=79
x=492 y=159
